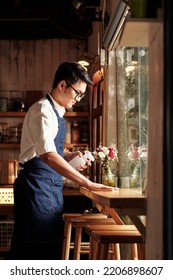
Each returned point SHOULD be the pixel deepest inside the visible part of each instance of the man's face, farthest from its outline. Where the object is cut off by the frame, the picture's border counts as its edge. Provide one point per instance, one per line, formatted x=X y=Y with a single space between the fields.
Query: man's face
x=73 y=93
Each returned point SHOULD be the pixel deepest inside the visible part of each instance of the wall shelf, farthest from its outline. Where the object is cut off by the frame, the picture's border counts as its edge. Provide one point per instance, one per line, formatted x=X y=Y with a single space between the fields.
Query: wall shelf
x=72 y=145
x=22 y=114
x=12 y=114
x=17 y=145
x=9 y=114
x=9 y=146
x=76 y=114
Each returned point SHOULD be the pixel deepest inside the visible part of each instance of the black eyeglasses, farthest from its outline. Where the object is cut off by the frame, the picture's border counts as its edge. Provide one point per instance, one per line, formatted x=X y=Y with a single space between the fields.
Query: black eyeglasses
x=78 y=94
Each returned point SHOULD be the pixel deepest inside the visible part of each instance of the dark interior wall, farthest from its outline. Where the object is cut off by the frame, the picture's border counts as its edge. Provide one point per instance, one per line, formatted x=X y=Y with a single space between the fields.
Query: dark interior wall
x=168 y=131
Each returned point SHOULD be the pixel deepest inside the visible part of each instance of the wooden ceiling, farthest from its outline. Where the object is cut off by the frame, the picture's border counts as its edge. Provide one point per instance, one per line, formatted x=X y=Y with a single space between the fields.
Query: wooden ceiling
x=40 y=19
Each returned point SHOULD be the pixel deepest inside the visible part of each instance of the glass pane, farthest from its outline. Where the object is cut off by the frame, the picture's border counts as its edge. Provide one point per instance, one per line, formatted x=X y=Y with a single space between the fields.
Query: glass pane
x=132 y=98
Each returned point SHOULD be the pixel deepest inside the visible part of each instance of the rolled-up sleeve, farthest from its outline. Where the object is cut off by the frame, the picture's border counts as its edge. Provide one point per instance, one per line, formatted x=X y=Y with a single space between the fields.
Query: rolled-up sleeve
x=39 y=131
x=45 y=128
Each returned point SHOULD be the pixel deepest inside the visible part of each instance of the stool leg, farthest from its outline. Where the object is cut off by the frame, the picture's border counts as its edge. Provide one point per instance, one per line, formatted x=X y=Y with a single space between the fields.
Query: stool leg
x=117 y=253
x=134 y=251
x=77 y=243
x=111 y=252
x=92 y=249
x=102 y=251
x=141 y=251
x=66 y=242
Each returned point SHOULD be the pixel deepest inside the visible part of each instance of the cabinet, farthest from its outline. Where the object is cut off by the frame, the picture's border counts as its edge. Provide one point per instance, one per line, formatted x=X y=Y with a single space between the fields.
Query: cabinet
x=11 y=150
x=68 y=115
x=5 y=116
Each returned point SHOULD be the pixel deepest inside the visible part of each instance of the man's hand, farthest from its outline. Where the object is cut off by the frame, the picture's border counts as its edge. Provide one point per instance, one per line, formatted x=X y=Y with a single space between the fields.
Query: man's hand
x=99 y=187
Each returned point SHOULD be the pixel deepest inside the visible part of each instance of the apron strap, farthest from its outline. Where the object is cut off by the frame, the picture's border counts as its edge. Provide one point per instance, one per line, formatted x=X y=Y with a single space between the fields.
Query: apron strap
x=50 y=100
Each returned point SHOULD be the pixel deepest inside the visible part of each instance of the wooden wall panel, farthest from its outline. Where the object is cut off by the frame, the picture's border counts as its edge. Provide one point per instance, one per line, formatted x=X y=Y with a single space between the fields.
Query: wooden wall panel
x=64 y=48
x=55 y=55
x=47 y=64
x=72 y=50
x=21 y=71
x=28 y=66
x=31 y=64
x=155 y=184
x=13 y=65
x=39 y=81
x=80 y=49
x=5 y=65
x=30 y=69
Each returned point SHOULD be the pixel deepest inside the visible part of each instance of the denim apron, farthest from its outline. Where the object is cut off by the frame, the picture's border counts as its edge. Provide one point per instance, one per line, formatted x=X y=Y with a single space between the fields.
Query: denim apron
x=38 y=198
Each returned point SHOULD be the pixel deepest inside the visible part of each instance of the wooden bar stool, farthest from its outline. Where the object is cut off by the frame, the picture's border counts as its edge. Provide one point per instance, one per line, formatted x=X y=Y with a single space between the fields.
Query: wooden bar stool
x=102 y=236
x=79 y=225
x=68 y=219
x=114 y=248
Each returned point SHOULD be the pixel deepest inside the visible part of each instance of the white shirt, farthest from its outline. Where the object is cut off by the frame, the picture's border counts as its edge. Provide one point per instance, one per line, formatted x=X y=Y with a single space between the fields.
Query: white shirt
x=39 y=130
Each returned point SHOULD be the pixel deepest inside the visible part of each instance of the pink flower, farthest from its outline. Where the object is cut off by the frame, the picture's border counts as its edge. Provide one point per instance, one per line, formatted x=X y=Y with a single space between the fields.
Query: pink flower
x=105 y=155
x=111 y=153
x=135 y=153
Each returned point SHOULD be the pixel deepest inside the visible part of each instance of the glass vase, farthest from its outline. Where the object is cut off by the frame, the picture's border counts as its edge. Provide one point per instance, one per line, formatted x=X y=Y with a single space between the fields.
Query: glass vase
x=108 y=177
x=144 y=177
x=135 y=176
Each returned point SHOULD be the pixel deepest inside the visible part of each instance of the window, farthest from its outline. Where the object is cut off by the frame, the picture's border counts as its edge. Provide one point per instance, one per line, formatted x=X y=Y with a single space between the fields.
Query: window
x=132 y=113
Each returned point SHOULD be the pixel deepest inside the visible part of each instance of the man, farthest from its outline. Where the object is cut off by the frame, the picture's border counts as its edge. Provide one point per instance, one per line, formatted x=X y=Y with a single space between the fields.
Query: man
x=38 y=199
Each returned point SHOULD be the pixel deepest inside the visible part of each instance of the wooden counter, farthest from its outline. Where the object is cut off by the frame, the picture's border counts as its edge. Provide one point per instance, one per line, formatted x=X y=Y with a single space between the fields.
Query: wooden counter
x=129 y=202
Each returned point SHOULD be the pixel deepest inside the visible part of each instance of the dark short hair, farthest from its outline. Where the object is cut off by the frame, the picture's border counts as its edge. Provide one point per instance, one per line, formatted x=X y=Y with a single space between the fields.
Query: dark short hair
x=71 y=72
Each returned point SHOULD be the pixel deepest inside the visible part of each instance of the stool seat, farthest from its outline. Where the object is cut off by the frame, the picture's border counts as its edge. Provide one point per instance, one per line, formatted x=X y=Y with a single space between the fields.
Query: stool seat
x=71 y=216
x=109 y=227
x=68 y=219
x=93 y=222
x=79 y=225
x=101 y=236
x=118 y=236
